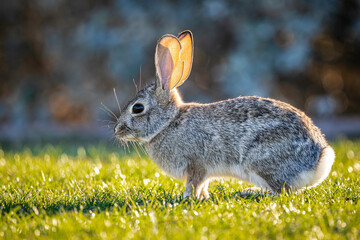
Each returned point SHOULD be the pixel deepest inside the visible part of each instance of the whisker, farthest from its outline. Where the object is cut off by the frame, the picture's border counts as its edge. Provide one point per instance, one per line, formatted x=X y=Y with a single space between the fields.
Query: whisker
x=109 y=121
x=114 y=140
x=106 y=127
x=106 y=123
x=140 y=76
x=136 y=150
x=125 y=145
x=139 y=146
x=133 y=144
x=128 y=147
x=117 y=100
x=136 y=87
x=122 y=143
x=142 y=147
x=109 y=110
x=109 y=125
x=118 y=142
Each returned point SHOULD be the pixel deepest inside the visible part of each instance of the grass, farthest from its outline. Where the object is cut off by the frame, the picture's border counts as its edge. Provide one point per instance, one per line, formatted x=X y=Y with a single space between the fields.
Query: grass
x=101 y=192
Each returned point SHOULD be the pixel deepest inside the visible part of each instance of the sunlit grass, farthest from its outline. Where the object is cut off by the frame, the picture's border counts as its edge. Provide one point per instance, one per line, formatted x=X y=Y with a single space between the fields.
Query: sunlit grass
x=75 y=192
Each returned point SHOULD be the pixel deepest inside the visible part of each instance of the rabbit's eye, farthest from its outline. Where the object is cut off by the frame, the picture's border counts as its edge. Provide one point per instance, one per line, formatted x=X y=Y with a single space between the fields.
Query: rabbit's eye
x=138 y=108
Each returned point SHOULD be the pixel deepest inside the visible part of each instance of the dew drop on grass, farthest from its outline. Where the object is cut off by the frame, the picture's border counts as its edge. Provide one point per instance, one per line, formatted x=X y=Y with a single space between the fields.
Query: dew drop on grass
x=54 y=222
x=118 y=172
x=103 y=235
x=36 y=211
x=47 y=158
x=81 y=152
x=136 y=213
x=350 y=154
x=64 y=158
x=62 y=173
x=92 y=214
x=357 y=167
x=107 y=223
x=2 y=162
x=146 y=181
x=130 y=162
x=272 y=206
x=350 y=169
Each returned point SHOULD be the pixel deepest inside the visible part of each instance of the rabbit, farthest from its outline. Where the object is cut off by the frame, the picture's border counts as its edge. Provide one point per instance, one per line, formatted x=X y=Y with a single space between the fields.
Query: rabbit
x=262 y=141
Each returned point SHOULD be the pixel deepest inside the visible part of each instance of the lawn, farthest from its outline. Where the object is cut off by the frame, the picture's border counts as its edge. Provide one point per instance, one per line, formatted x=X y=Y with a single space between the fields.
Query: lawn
x=69 y=191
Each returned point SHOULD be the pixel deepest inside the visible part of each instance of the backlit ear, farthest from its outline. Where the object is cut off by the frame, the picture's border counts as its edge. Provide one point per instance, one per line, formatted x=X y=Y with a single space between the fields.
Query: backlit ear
x=186 y=54
x=167 y=61
x=173 y=59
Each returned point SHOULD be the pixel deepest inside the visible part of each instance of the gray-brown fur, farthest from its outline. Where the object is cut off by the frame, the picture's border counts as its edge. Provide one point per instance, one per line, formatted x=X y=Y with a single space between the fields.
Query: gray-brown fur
x=263 y=141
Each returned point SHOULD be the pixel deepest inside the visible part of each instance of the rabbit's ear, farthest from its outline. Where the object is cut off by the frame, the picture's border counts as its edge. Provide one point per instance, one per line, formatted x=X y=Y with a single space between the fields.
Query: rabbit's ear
x=186 y=54
x=169 y=68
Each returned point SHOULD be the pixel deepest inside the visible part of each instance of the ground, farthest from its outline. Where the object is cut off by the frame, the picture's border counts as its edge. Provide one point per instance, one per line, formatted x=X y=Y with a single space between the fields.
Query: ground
x=67 y=191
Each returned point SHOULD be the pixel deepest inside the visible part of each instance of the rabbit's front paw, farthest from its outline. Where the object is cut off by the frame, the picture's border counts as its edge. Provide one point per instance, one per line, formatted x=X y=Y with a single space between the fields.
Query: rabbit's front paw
x=195 y=187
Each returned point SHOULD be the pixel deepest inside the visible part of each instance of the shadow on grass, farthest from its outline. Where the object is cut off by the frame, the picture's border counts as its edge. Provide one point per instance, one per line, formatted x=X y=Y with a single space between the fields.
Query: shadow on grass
x=96 y=201
x=108 y=200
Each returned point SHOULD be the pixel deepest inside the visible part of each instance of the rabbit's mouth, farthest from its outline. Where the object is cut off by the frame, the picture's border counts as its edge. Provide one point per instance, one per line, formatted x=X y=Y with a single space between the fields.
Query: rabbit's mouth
x=126 y=137
x=123 y=132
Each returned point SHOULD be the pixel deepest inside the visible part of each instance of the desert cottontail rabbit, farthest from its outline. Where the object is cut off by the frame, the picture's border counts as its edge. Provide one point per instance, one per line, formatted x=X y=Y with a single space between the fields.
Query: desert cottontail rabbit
x=263 y=141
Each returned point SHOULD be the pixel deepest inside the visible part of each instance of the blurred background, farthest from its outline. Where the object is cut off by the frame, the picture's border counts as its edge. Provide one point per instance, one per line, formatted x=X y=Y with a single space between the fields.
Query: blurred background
x=60 y=59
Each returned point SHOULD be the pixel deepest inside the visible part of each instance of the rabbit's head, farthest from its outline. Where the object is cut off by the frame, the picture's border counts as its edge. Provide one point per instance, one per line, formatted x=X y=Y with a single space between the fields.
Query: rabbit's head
x=154 y=107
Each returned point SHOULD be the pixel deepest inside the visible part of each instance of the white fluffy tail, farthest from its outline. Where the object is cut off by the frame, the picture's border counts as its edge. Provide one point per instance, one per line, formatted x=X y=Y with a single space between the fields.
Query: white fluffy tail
x=323 y=169
x=314 y=177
